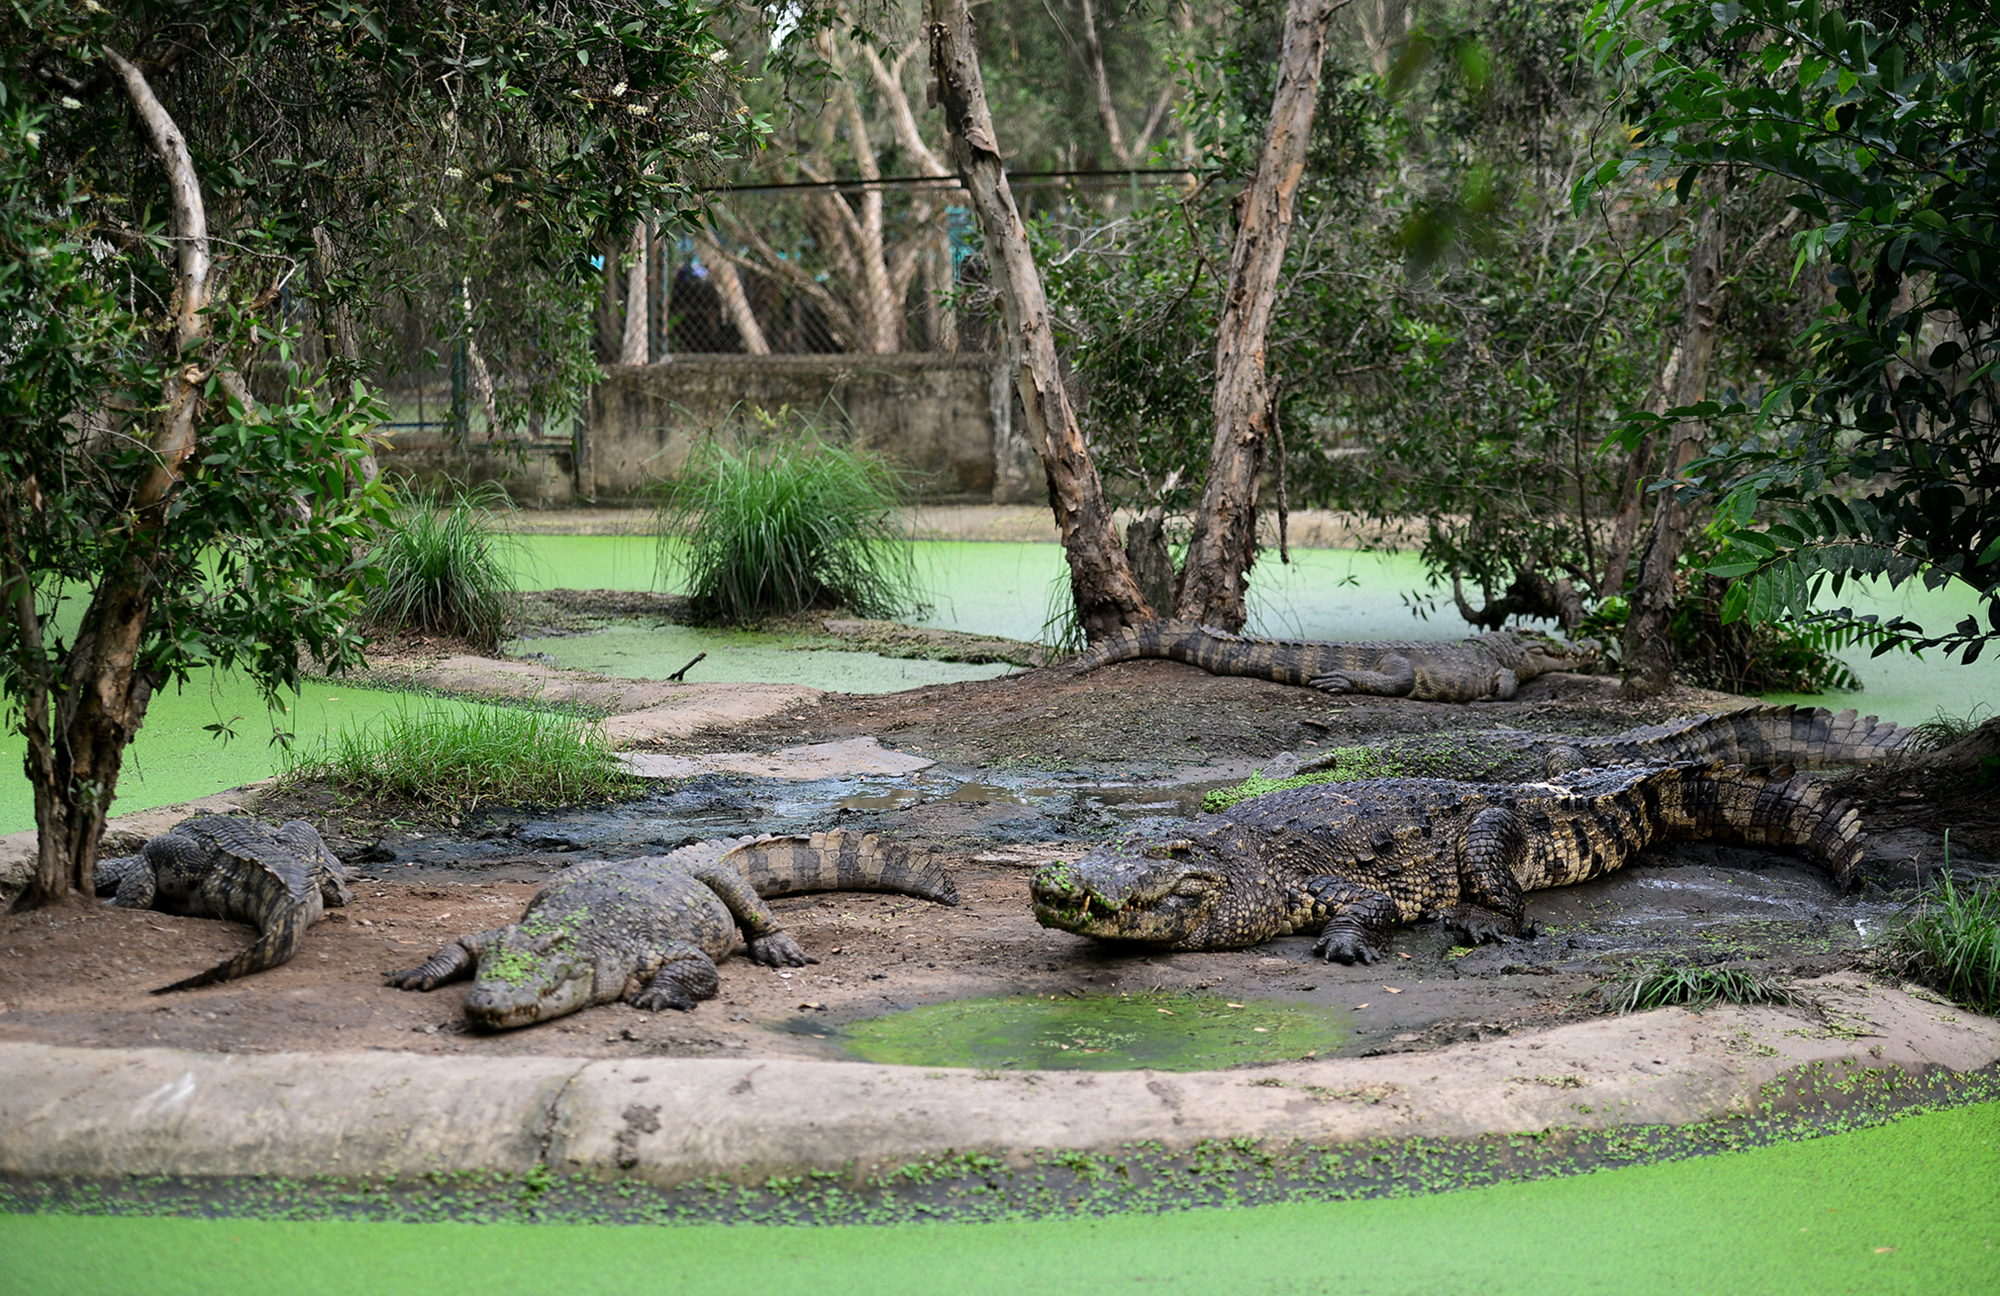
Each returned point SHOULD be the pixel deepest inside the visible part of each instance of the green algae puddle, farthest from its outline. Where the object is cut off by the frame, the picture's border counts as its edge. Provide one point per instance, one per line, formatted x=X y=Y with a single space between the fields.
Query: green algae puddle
x=1903 y=1207
x=1097 y=1033
x=654 y=652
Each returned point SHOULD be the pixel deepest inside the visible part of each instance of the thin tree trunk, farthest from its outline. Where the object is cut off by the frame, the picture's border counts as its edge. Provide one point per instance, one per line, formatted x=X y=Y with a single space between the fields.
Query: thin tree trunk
x=1649 y=653
x=74 y=756
x=729 y=287
x=610 y=313
x=634 y=349
x=1107 y=112
x=338 y=336
x=1224 y=541
x=1107 y=598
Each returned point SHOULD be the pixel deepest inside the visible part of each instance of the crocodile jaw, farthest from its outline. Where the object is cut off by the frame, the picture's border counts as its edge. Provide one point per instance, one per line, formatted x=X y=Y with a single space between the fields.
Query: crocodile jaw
x=1111 y=894
x=524 y=986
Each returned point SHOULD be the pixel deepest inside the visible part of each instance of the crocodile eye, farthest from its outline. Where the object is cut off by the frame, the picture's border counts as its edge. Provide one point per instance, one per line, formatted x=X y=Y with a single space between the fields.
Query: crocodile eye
x=1193 y=886
x=1163 y=850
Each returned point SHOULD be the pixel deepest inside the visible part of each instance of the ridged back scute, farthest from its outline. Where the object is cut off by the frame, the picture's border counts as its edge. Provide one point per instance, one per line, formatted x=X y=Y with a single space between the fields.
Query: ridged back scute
x=841 y=861
x=257 y=848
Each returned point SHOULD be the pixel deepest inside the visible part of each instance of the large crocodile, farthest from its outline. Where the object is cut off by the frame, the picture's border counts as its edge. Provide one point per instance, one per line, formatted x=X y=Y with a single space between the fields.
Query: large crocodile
x=223 y=866
x=1484 y=666
x=651 y=930
x=1754 y=735
x=1351 y=860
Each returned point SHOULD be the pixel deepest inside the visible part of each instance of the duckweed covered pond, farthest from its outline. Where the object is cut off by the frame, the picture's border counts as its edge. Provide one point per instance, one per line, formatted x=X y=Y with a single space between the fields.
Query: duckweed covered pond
x=1098 y=1033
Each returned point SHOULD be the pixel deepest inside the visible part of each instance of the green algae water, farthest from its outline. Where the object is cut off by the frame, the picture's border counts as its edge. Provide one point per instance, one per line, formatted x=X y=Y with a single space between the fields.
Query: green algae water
x=1098 y=1033
x=1903 y=1207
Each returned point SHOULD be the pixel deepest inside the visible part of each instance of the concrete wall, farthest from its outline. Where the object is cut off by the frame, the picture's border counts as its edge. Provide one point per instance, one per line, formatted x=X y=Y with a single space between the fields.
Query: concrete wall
x=535 y=474
x=947 y=419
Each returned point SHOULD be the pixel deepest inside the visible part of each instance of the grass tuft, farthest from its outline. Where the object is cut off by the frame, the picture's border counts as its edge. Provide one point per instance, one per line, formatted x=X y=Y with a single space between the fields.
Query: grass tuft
x=1659 y=985
x=441 y=569
x=791 y=524
x=443 y=755
x=1952 y=944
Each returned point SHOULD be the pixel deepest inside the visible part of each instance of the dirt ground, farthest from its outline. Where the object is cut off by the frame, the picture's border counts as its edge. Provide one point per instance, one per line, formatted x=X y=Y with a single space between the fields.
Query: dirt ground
x=1030 y=766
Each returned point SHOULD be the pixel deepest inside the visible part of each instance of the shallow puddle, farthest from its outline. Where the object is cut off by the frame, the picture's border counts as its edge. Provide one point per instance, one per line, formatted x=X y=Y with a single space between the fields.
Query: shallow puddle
x=1098 y=1033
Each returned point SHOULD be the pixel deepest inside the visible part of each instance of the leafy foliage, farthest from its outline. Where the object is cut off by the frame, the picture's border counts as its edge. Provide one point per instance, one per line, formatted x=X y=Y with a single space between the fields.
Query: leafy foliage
x=1952 y=943
x=444 y=755
x=440 y=572
x=1878 y=454
x=790 y=523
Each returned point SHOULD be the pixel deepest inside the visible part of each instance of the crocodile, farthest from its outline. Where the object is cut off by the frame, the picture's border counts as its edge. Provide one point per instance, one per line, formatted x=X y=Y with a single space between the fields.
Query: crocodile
x=1753 y=735
x=1351 y=860
x=650 y=930
x=227 y=866
x=1484 y=666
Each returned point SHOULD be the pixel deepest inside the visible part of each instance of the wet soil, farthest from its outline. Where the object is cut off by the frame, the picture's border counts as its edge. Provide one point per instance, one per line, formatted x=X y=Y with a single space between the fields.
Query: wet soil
x=1031 y=767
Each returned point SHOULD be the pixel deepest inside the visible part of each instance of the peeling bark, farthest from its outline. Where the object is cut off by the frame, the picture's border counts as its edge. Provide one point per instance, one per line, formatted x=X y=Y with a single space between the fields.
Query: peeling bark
x=101 y=693
x=1223 y=545
x=1107 y=597
x=1649 y=654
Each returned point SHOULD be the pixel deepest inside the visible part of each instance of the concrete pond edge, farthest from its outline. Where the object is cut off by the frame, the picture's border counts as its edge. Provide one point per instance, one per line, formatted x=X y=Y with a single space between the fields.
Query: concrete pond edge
x=102 y=1113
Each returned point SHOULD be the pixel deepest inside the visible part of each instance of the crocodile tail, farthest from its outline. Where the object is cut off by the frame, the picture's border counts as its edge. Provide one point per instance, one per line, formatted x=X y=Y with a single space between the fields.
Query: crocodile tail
x=274 y=945
x=1765 y=735
x=1180 y=640
x=1758 y=807
x=842 y=861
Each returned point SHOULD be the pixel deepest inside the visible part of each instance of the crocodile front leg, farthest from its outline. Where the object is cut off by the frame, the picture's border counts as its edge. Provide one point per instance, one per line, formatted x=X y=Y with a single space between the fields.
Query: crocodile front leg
x=1397 y=676
x=1491 y=906
x=1358 y=920
x=686 y=977
x=769 y=944
x=455 y=962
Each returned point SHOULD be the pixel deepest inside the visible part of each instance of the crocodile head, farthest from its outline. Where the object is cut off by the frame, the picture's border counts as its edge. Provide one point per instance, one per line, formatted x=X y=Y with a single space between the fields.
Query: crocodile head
x=529 y=975
x=1158 y=893
x=1529 y=653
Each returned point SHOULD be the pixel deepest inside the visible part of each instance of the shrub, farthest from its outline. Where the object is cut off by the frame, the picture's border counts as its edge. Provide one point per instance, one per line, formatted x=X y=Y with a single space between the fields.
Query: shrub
x=441 y=569
x=1952 y=944
x=1658 y=985
x=448 y=755
x=793 y=524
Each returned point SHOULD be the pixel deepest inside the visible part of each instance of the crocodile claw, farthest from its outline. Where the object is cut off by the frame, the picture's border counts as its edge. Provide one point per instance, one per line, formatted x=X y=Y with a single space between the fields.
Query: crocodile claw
x=779 y=950
x=1481 y=926
x=1345 y=947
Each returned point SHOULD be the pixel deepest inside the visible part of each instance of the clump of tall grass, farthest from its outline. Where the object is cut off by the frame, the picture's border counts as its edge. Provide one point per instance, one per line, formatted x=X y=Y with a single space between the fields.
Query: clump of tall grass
x=444 y=755
x=794 y=523
x=1659 y=985
x=441 y=569
x=1952 y=944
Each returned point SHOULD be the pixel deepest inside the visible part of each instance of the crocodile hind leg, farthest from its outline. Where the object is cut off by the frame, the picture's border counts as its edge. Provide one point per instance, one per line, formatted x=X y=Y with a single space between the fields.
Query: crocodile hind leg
x=1358 y=920
x=686 y=977
x=1491 y=906
x=769 y=944
x=1396 y=678
x=455 y=962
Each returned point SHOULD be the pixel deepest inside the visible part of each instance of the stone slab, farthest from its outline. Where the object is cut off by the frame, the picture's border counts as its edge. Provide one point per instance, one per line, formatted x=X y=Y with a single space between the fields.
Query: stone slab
x=671 y=1120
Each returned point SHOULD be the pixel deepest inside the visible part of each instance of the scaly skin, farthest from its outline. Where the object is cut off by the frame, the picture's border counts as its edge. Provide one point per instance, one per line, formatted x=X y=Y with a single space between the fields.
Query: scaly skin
x=217 y=866
x=1758 y=735
x=1349 y=861
x=1485 y=666
x=650 y=931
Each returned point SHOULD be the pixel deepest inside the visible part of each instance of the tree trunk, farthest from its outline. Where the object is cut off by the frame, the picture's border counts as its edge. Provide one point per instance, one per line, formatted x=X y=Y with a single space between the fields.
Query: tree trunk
x=1107 y=598
x=635 y=348
x=1224 y=541
x=609 y=317
x=729 y=287
x=1649 y=653
x=74 y=755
